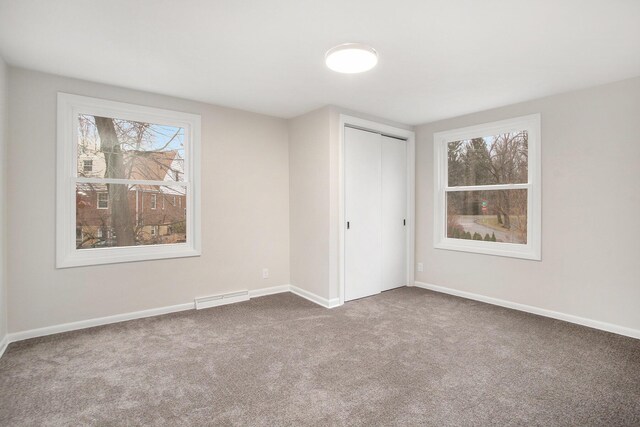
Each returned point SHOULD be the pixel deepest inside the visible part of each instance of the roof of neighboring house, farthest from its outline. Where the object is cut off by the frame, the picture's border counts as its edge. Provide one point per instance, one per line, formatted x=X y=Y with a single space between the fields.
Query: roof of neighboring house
x=153 y=165
x=147 y=166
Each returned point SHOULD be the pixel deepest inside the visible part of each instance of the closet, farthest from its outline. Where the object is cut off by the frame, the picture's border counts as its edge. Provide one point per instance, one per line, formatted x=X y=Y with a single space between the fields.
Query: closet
x=375 y=177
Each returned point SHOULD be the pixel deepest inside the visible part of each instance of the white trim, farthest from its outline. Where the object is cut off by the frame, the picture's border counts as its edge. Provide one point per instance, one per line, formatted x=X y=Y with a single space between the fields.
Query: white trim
x=159 y=183
x=269 y=291
x=489 y=187
x=410 y=137
x=99 y=321
x=84 y=165
x=326 y=303
x=4 y=343
x=532 y=249
x=69 y=106
x=596 y=324
x=83 y=324
x=98 y=200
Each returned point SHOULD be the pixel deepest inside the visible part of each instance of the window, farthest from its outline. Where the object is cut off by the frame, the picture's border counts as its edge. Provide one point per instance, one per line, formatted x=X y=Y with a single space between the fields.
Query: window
x=131 y=150
x=103 y=201
x=173 y=200
x=487 y=188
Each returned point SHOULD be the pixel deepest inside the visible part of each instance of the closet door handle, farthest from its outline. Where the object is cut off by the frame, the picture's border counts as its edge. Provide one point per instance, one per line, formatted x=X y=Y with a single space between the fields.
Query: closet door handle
x=347 y=225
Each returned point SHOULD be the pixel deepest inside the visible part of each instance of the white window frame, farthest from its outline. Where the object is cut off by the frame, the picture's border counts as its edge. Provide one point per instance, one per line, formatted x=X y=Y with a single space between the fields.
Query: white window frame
x=154 y=201
x=532 y=249
x=69 y=107
x=98 y=200
x=84 y=165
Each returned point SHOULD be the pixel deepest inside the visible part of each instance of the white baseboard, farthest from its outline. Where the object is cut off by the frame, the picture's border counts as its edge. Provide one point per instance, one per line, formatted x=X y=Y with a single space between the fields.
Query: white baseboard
x=596 y=324
x=269 y=291
x=83 y=324
x=4 y=342
x=99 y=321
x=327 y=303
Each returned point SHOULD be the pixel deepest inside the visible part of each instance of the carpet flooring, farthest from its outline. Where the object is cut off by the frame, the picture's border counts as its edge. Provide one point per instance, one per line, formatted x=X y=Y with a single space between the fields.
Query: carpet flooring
x=405 y=357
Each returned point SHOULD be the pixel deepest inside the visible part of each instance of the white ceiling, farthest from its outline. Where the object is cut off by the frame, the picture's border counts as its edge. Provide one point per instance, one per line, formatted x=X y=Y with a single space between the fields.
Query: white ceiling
x=438 y=58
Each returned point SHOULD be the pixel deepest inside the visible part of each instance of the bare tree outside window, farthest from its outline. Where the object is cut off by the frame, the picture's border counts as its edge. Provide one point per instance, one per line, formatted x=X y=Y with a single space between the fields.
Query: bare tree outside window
x=114 y=214
x=497 y=215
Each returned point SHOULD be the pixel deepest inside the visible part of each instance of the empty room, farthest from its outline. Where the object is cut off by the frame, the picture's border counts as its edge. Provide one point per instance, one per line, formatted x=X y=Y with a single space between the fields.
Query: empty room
x=319 y=213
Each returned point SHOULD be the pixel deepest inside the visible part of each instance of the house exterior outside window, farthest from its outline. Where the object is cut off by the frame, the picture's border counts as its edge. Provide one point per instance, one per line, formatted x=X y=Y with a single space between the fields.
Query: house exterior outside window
x=107 y=215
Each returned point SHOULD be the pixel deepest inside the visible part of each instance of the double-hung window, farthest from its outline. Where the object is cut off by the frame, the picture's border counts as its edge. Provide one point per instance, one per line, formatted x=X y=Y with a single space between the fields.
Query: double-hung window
x=488 y=188
x=133 y=151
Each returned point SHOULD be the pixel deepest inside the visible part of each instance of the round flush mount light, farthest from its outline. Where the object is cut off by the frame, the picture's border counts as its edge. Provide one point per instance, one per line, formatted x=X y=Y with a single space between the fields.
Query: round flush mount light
x=351 y=58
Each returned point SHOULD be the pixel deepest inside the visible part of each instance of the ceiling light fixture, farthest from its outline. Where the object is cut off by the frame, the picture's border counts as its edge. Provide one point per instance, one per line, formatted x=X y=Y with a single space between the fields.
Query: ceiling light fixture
x=351 y=58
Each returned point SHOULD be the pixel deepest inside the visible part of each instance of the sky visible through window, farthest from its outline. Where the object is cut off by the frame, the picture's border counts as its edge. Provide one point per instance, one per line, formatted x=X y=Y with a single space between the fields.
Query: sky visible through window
x=484 y=213
x=135 y=151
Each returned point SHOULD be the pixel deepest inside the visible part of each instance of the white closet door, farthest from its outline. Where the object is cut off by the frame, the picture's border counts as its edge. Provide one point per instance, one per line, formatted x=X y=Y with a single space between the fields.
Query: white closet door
x=394 y=212
x=363 y=199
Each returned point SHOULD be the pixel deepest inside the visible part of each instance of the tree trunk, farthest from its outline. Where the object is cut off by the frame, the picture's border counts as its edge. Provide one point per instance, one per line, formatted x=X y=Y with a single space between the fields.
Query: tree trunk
x=118 y=197
x=507 y=208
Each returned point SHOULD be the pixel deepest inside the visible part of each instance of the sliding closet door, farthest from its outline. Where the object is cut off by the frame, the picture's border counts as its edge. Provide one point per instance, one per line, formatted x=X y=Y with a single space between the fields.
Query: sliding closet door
x=394 y=212
x=363 y=216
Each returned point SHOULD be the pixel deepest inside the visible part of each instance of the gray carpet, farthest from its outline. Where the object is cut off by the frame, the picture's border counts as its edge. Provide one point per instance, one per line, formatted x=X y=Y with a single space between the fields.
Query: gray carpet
x=405 y=357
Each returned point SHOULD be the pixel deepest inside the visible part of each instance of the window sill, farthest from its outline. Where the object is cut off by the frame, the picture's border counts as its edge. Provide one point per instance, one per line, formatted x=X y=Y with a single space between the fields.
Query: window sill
x=510 y=250
x=100 y=256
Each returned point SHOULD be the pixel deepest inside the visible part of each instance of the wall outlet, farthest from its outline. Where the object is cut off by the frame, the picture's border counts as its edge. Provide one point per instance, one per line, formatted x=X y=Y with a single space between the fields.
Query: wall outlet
x=265 y=273
x=420 y=266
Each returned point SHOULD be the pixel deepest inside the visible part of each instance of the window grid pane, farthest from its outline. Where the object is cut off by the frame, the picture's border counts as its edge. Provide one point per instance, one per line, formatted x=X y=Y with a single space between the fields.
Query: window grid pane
x=493 y=216
x=126 y=149
x=116 y=215
x=488 y=160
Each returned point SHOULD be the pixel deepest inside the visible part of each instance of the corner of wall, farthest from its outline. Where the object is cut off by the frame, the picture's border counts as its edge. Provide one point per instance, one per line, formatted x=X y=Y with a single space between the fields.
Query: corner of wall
x=309 y=197
x=4 y=120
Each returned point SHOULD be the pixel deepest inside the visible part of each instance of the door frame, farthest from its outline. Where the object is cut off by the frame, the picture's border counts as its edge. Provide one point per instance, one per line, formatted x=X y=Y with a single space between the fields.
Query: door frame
x=410 y=137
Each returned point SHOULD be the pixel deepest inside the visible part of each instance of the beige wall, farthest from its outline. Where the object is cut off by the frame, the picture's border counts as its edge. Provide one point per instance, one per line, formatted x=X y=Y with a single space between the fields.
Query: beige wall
x=590 y=204
x=270 y=199
x=245 y=207
x=314 y=164
x=4 y=112
x=309 y=201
